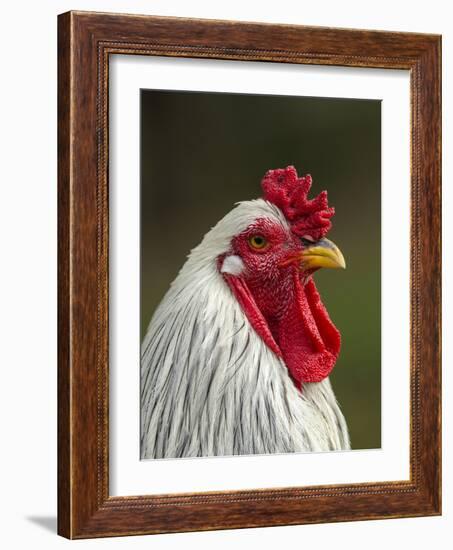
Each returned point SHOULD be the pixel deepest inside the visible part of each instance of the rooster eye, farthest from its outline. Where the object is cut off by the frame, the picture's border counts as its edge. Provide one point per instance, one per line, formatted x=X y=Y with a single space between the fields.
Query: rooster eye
x=258 y=242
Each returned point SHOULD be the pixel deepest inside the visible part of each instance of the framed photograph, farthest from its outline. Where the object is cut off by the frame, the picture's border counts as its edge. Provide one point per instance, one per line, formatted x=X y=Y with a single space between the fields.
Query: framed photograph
x=249 y=275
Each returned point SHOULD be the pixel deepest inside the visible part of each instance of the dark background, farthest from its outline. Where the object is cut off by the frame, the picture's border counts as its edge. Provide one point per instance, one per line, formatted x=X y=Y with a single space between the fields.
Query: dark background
x=202 y=152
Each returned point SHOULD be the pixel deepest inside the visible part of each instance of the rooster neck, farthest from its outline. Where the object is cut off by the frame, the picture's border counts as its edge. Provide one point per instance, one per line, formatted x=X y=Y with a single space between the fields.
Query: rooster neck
x=210 y=386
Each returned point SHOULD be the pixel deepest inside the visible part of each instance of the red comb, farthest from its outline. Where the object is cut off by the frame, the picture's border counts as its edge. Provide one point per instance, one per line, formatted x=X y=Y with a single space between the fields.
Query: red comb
x=289 y=193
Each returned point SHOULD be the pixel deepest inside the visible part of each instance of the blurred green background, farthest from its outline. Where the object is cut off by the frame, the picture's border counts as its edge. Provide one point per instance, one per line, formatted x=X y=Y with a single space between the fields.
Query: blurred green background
x=202 y=152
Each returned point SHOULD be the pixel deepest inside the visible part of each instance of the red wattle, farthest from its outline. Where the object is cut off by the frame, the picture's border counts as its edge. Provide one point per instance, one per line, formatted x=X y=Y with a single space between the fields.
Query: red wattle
x=307 y=338
x=303 y=336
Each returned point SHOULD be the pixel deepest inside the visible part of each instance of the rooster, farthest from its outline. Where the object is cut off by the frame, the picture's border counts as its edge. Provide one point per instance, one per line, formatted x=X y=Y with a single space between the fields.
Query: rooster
x=237 y=355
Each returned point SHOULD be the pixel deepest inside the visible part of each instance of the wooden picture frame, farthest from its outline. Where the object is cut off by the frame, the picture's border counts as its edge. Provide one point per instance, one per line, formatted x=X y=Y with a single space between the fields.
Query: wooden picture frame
x=85 y=42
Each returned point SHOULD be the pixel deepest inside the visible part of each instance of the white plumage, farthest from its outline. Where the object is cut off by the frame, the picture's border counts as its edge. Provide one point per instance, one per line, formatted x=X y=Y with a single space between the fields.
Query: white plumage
x=209 y=384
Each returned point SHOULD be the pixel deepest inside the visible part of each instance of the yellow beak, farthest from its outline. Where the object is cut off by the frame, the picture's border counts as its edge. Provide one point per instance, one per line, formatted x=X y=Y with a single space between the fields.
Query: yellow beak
x=323 y=253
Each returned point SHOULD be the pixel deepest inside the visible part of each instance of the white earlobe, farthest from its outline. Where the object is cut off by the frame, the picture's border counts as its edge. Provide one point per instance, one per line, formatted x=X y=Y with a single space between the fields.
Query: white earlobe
x=232 y=265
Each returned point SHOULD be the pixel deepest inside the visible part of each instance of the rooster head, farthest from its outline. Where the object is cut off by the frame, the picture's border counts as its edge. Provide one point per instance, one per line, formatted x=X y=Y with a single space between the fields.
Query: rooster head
x=269 y=266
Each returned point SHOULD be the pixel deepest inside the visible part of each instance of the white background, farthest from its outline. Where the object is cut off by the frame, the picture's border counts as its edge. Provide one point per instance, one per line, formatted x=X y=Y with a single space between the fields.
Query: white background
x=28 y=272
x=128 y=475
